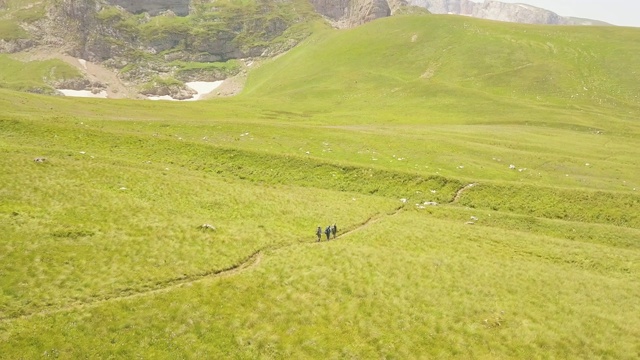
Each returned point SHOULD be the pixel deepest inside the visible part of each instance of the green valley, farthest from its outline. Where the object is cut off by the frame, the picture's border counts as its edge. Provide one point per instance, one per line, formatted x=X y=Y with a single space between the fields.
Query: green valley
x=484 y=179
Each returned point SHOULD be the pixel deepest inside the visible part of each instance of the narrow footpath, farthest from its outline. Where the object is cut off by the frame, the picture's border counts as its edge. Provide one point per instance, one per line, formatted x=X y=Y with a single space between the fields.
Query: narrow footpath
x=248 y=263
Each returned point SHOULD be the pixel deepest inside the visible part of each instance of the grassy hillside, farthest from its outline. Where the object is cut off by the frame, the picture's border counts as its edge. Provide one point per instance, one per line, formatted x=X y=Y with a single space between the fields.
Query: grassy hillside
x=34 y=76
x=425 y=62
x=103 y=254
x=551 y=100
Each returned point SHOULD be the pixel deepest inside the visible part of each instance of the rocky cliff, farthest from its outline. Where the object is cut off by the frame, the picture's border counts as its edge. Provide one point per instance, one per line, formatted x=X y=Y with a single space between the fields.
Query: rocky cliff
x=158 y=44
x=496 y=10
x=153 y=7
x=350 y=13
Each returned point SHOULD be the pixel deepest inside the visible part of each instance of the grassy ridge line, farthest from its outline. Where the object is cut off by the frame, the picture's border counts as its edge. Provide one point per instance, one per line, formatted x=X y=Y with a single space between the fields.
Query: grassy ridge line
x=580 y=232
x=550 y=149
x=604 y=207
x=249 y=165
x=255 y=166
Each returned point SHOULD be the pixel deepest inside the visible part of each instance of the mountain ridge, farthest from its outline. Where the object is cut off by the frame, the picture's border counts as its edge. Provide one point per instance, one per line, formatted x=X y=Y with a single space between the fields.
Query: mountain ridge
x=501 y=11
x=156 y=46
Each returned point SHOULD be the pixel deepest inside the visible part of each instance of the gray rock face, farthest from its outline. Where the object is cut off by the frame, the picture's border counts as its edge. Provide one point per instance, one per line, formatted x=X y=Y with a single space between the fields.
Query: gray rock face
x=350 y=13
x=12 y=46
x=494 y=10
x=153 y=7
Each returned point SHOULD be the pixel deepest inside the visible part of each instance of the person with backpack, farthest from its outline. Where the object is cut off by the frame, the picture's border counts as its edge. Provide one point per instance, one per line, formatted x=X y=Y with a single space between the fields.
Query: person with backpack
x=334 y=230
x=327 y=232
x=319 y=233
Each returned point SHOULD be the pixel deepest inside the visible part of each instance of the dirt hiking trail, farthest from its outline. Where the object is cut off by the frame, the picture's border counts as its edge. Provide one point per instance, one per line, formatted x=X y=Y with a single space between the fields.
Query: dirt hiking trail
x=248 y=263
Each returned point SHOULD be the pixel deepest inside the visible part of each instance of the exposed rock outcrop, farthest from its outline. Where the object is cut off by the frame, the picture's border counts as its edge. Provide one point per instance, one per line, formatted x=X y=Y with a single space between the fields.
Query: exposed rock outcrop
x=153 y=7
x=177 y=92
x=350 y=13
x=79 y=84
x=12 y=46
x=497 y=10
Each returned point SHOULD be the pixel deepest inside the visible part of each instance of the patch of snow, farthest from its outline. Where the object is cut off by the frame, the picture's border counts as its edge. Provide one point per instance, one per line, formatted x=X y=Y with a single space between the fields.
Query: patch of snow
x=201 y=88
x=164 y=97
x=83 y=93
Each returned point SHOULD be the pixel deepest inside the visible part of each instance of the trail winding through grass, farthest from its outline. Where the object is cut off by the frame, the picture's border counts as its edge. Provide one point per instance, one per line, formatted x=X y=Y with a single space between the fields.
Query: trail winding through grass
x=170 y=284
x=249 y=262
x=461 y=191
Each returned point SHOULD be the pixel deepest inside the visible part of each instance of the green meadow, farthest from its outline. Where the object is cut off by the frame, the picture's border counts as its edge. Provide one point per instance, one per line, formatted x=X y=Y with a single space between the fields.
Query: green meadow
x=484 y=178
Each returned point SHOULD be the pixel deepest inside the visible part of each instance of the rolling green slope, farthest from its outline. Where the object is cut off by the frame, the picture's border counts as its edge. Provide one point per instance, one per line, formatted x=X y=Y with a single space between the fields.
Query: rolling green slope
x=35 y=76
x=403 y=132
x=453 y=66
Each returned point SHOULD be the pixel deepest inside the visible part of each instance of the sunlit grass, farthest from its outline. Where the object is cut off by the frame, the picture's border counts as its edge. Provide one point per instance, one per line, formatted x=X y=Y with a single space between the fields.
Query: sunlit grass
x=412 y=285
x=102 y=253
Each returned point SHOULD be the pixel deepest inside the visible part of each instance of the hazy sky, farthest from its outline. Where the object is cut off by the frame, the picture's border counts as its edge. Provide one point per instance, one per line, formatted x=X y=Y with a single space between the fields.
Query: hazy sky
x=616 y=12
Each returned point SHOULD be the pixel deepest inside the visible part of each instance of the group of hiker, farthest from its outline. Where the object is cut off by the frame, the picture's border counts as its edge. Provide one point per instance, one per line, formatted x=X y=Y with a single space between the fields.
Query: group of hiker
x=331 y=229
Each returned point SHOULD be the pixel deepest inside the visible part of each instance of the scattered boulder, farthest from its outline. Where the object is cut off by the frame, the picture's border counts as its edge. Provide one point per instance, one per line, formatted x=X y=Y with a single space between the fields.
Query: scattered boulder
x=207 y=227
x=40 y=160
x=175 y=91
x=425 y=204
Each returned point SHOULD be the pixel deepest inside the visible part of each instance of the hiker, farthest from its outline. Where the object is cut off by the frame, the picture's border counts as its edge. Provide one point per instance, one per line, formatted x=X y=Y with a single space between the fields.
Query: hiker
x=334 y=230
x=319 y=233
x=327 y=231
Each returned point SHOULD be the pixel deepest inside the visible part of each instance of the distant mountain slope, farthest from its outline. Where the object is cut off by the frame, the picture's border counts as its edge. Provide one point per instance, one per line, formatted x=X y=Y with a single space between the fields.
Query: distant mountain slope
x=496 y=10
x=155 y=46
x=426 y=62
